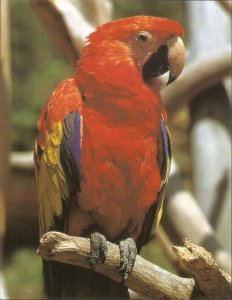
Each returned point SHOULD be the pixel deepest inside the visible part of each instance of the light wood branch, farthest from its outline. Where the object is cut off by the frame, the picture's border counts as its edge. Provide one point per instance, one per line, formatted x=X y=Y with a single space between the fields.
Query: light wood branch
x=69 y=22
x=183 y=217
x=5 y=99
x=55 y=25
x=196 y=77
x=147 y=279
x=22 y=160
x=226 y=5
x=214 y=282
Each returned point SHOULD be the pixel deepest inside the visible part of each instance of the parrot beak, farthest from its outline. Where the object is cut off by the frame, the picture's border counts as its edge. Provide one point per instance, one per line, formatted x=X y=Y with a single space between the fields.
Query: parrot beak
x=168 y=57
x=176 y=58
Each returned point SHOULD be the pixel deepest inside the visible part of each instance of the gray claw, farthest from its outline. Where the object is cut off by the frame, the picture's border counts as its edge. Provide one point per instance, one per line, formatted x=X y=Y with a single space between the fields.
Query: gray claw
x=128 y=252
x=98 y=249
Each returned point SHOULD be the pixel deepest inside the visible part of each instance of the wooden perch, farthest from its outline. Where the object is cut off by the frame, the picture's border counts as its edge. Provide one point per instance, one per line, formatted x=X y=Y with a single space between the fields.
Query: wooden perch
x=147 y=279
x=180 y=208
x=214 y=282
x=183 y=217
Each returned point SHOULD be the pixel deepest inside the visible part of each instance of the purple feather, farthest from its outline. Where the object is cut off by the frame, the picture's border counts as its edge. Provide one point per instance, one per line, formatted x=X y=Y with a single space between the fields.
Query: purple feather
x=76 y=138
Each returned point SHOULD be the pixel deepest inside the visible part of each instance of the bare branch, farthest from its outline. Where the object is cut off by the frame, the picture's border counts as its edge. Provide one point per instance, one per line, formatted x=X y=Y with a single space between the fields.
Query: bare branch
x=147 y=279
x=226 y=5
x=55 y=25
x=196 y=77
x=183 y=217
x=22 y=160
x=69 y=22
x=5 y=99
x=214 y=282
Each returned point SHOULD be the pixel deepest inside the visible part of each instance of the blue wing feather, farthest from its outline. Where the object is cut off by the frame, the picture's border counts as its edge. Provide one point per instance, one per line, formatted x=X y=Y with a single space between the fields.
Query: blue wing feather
x=70 y=154
x=164 y=138
x=76 y=140
x=167 y=152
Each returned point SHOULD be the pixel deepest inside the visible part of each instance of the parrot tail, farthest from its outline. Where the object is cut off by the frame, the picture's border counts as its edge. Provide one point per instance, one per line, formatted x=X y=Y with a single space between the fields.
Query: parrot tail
x=63 y=281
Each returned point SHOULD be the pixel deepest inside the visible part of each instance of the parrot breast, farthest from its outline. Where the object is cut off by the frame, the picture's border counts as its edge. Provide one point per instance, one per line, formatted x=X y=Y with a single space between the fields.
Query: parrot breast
x=120 y=177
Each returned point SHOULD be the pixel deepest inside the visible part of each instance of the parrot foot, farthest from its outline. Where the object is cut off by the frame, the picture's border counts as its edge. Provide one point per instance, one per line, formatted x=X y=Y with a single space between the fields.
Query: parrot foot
x=128 y=252
x=98 y=249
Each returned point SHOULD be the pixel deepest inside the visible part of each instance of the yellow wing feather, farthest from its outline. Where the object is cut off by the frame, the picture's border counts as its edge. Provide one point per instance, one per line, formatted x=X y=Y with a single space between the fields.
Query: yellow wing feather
x=51 y=183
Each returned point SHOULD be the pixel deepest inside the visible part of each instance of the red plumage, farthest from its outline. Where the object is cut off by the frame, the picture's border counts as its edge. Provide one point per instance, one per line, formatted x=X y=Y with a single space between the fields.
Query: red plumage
x=124 y=164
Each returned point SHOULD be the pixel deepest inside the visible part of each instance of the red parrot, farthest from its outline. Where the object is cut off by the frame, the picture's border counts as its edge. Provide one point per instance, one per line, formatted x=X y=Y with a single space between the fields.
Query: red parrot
x=102 y=155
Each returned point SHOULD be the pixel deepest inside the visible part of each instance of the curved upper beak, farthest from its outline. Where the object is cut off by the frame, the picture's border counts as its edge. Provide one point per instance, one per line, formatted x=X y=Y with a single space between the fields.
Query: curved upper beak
x=176 y=58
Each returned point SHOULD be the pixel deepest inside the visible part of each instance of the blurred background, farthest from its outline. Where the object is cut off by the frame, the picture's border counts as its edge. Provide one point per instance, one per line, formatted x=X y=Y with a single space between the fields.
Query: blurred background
x=35 y=57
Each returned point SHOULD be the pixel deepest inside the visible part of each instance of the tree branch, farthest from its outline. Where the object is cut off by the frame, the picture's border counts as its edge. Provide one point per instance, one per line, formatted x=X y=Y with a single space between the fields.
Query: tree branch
x=69 y=22
x=147 y=279
x=226 y=5
x=195 y=78
x=214 y=282
x=183 y=217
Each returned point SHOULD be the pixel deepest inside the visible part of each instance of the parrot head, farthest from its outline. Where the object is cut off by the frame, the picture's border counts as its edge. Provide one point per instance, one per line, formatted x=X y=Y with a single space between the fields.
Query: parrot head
x=151 y=44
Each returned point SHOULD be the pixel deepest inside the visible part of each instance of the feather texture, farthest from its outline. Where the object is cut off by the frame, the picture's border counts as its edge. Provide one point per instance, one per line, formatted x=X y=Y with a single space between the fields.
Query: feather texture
x=154 y=213
x=55 y=183
x=102 y=164
x=164 y=170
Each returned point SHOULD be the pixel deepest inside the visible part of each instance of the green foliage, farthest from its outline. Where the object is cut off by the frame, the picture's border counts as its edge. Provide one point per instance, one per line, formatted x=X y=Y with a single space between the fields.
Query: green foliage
x=162 y=8
x=23 y=275
x=154 y=253
x=37 y=68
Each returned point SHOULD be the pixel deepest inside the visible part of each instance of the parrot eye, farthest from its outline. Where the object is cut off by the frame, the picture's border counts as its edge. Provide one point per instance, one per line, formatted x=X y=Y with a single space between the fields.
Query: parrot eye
x=143 y=36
